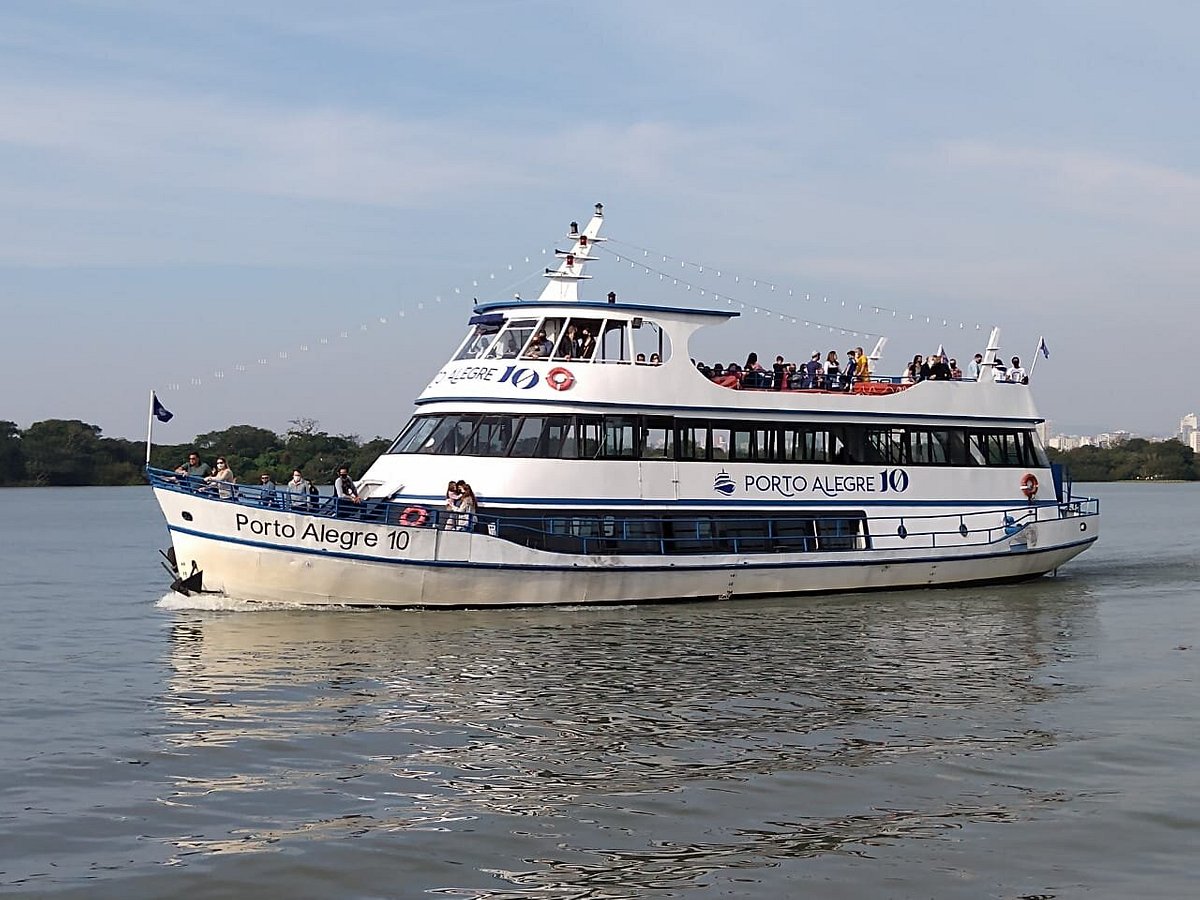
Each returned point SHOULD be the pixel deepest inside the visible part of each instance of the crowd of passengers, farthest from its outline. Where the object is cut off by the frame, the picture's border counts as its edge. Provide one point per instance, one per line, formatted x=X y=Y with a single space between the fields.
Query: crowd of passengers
x=834 y=375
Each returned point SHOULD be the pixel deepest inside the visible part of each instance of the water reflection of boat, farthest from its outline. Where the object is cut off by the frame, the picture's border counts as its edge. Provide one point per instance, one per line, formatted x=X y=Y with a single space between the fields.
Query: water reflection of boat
x=614 y=471
x=446 y=724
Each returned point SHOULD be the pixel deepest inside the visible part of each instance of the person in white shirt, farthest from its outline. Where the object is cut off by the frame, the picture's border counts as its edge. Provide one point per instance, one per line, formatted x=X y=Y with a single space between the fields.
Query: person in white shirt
x=1017 y=374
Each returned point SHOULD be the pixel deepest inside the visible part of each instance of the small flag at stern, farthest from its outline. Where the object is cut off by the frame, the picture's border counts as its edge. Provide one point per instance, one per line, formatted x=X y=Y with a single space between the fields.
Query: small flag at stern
x=1042 y=348
x=161 y=412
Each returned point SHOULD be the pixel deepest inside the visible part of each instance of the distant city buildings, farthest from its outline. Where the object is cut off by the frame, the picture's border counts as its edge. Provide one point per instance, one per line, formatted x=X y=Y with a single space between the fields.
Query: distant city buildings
x=1189 y=436
x=1189 y=431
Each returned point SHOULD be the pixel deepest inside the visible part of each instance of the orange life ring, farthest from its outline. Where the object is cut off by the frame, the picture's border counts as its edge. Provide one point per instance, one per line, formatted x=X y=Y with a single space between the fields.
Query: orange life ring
x=414 y=517
x=560 y=379
x=1029 y=485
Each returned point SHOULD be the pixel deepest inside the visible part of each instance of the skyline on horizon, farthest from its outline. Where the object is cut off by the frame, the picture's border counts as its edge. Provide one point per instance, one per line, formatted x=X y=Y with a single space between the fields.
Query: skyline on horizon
x=213 y=189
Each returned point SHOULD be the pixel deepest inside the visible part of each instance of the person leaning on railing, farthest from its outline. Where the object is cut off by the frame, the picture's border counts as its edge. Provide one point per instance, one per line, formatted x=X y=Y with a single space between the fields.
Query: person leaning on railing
x=222 y=479
x=193 y=468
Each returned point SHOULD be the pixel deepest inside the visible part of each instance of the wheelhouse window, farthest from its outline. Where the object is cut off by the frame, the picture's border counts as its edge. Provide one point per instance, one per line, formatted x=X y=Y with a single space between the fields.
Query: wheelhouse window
x=512 y=339
x=483 y=331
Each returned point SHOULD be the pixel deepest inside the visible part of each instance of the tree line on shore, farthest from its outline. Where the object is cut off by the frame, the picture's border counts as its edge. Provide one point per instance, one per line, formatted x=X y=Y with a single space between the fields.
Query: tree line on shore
x=60 y=452
x=1133 y=460
x=63 y=452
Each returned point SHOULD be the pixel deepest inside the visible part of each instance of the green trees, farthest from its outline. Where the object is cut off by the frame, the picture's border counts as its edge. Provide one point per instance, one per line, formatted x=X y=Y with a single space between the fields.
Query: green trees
x=62 y=452
x=1133 y=460
x=12 y=457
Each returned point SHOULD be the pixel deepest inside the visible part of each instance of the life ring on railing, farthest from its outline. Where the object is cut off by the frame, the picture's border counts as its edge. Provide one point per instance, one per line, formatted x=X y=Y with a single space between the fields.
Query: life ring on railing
x=560 y=379
x=1029 y=485
x=414 y=517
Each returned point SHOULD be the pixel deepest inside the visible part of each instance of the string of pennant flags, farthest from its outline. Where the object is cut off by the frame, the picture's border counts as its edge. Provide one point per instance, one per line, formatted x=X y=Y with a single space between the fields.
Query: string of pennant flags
x=675 y=271
x=374 y=322
x=640 y=257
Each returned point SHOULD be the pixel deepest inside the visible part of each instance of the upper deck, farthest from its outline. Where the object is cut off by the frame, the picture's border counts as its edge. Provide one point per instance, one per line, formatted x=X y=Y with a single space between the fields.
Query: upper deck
x=563 y=353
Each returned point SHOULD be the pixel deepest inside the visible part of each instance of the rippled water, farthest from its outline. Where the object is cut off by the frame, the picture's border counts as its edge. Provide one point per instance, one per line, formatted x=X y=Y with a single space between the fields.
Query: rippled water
x=1029 y=741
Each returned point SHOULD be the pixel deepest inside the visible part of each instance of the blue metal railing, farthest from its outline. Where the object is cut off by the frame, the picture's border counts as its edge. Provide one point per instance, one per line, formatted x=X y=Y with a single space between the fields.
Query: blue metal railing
x=588 y=532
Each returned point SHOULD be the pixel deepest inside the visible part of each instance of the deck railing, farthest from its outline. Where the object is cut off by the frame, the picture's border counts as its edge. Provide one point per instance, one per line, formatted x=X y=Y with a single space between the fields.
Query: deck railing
x=683 y=533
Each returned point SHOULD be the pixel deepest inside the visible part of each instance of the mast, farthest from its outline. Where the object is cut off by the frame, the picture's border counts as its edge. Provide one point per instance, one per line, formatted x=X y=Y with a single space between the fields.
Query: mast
x=563 y=282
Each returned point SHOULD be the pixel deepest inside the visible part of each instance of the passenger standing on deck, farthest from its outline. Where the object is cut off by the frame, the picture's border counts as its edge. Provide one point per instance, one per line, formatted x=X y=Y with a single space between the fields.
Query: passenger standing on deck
x=814 y=371
x=466 y=508
x=832 y=371
x=975 y=366
x=1017 y=374
x=587 y=345
x=343 y=486
x=298 y=490
x=568 y=343
x=863 y=372
x=453 y=497
x=222 y=479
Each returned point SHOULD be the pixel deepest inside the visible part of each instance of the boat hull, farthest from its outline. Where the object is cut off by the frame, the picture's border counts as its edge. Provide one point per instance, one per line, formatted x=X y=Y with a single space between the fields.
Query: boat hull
x=289 y=557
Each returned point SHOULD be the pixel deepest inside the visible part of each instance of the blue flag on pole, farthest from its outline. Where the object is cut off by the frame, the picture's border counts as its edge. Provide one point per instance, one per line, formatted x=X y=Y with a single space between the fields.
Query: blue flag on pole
x=161 y=412
x=1042 y=348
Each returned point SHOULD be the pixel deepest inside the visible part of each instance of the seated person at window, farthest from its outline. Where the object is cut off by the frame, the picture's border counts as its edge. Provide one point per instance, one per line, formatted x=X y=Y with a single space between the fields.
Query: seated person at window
x=539 y=347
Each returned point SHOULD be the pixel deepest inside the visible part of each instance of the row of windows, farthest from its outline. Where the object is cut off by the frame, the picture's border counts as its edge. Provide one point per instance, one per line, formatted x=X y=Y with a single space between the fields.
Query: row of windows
x=689 y=534
x=578 y=339
x=558 y=436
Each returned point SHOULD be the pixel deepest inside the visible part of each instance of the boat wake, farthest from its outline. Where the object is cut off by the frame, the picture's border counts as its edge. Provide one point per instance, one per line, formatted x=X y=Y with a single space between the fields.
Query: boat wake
x=217 y=603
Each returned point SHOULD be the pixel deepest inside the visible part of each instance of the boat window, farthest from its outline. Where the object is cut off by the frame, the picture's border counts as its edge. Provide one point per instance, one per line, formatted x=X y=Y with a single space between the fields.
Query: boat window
x=747 y=535
x=805 y=444
x=416 y=431
x=931 y=448
x=1034 y=444
x=589 y=431
x=528 y=433
x=543 y=339
x=482 y=332
x=795 y=535
x=620 y=437
x=491 y=438
x=614 y=343
x=559 y=436
x=657 y=434
x=840 y=534
x=885 y=445
x=998 y=448
x=747 y=440
x=651 y=347
x=694 y=535
x=513 y=339
x=440 y=437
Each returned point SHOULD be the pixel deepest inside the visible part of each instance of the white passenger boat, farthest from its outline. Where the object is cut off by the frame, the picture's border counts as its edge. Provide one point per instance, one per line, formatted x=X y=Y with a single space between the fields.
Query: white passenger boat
x=605 y=480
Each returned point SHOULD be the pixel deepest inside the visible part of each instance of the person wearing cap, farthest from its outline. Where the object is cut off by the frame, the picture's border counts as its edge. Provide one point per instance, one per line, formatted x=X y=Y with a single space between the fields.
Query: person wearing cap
x=1000 y=372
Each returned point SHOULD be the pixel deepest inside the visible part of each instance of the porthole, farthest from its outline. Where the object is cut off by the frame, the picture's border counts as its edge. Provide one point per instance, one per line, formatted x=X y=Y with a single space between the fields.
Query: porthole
x=186 y=516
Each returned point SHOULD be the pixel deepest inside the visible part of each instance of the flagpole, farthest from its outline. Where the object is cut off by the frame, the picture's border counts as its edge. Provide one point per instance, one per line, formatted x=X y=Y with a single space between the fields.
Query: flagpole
x=1036 y=353
x=149 y=427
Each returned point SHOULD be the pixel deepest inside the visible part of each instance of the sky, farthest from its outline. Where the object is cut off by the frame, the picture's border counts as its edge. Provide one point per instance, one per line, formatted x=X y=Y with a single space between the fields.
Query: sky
x=276 y=211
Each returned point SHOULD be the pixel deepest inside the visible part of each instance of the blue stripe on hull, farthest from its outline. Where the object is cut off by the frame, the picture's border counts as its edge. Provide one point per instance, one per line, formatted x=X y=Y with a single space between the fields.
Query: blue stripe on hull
x=674 y=567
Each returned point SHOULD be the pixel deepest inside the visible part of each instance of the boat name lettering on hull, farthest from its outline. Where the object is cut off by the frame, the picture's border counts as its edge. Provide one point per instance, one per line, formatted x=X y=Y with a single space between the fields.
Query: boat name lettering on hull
x=886 y=481
x=322 y=534
x=521 y=377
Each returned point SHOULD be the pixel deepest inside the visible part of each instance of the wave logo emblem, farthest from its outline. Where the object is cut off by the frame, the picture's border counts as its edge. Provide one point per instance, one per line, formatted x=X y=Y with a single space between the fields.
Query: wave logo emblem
x=723 y=484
